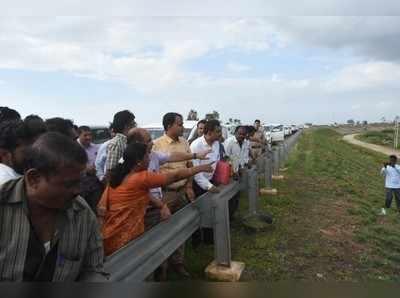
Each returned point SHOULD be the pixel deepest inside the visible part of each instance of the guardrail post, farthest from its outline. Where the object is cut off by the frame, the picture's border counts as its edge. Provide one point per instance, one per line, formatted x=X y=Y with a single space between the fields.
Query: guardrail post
x=268 y=169
x=275 y=160
x=278 y=161
x=253 y=190
x=281 y=154
x=222 y=268
x=222 y=240
x=286 y=151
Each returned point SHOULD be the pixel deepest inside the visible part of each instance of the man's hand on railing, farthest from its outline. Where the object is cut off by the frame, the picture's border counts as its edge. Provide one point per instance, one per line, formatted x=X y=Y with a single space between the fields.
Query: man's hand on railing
x=214 y=189
x=236 y=176
x=165 y=212
x=190 y=195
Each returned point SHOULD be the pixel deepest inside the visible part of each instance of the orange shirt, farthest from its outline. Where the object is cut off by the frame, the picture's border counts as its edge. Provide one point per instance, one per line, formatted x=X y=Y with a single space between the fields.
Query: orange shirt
x=125 y=207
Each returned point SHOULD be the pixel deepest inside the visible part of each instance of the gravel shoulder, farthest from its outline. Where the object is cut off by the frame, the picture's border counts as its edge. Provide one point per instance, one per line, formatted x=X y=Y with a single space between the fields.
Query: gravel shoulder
x=387 y=151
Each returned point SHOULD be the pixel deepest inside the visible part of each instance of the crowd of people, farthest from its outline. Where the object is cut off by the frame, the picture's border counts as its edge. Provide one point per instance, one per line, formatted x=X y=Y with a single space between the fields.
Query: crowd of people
x=66 y=203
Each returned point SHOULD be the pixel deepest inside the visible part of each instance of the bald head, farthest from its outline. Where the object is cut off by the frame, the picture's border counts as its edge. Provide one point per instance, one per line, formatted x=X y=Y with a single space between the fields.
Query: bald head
x=139 y=135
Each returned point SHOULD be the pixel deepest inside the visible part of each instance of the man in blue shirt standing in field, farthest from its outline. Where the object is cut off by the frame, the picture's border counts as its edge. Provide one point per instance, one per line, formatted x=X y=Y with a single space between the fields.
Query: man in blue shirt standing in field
x=391 y=172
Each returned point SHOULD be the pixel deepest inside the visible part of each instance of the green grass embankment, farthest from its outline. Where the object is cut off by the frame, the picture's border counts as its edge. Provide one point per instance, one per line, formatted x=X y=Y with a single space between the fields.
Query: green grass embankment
x=326 y=226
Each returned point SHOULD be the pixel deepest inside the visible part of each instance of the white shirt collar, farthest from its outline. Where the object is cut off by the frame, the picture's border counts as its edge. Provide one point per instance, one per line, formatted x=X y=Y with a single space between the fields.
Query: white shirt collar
x=7 y=173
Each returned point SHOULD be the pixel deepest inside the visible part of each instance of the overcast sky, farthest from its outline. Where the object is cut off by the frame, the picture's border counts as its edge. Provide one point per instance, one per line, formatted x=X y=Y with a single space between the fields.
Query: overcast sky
x=279 y=69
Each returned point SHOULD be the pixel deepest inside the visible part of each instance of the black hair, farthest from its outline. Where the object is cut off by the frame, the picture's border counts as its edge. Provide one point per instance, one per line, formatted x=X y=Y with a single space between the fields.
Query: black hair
x=133 y=153
x=7 y=114
x=393 y=157
x=211 y=125
x=60 y=125
x=257 y=121
x=121 y=120
x=204 y=121
x=12 y=133
x=169 y=119
x=135 y=137
x=239 y=127
x=35 y=126
x=250 y=129
x=53 y=150
x=83 y=129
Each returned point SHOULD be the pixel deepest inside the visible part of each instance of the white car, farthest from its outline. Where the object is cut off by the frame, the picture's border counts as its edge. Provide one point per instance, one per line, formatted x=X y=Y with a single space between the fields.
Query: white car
x=277 y=133
x=156 y=130
x=287 y=130
x=268 y=134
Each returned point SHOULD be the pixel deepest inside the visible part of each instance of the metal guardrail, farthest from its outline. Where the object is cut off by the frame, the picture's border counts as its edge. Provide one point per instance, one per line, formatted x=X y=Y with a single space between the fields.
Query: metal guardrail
x=138 y=259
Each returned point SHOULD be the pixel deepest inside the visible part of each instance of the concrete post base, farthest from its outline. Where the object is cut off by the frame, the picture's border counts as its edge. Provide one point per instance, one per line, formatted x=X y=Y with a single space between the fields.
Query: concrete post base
x=268 y=191
x=223 y=273
x=279 y=177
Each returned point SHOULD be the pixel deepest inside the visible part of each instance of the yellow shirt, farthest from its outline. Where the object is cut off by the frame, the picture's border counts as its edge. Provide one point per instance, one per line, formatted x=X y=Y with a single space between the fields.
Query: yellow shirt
x=167 y=145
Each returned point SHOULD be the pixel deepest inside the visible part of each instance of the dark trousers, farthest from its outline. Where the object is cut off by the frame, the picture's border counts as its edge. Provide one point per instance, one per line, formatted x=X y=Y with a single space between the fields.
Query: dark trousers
x=152 y=217
x=390 y=192
x=233 y=205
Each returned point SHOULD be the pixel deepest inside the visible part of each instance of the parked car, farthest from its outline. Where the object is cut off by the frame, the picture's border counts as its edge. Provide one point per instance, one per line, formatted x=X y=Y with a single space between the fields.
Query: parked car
x=100 y=134
x=277 y=133
x=295 y=128
x=156 y=130
x=268 y=133
x=287 y=130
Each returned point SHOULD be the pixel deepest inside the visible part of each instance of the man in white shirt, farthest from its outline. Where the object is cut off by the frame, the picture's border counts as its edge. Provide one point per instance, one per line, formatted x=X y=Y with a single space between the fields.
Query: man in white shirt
x=237 y=149
x=202 y=182
x=208 y=142
x=391 y=172
x=12 y=146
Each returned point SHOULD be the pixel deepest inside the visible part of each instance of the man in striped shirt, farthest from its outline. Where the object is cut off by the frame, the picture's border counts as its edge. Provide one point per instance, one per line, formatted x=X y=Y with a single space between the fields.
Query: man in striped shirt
x=48 y=232
x=122 y=123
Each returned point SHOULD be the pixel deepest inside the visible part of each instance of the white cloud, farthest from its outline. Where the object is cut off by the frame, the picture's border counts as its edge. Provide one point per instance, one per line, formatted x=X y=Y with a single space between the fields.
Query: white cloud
x=147 y=53
x=152 y=54
x=369 y=75
x=200 y=8
x=376 y=37
x=237 y=67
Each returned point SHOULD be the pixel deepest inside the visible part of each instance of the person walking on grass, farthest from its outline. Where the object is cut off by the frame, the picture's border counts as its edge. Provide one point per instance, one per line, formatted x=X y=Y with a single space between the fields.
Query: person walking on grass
x=391 y=172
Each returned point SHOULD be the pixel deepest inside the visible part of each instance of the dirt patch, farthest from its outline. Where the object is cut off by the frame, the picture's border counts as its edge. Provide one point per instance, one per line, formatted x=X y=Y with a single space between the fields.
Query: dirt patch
x=381 y=149
x=345 y=236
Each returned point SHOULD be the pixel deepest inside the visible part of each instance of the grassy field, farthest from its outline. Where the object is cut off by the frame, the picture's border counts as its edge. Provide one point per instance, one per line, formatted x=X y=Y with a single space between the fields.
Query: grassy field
x=326 y=226
x=384 y=138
